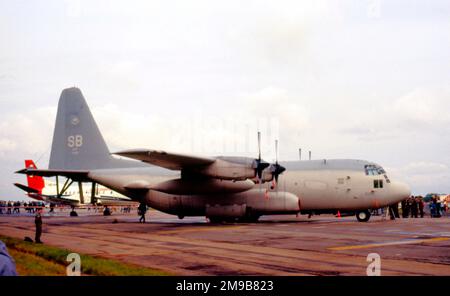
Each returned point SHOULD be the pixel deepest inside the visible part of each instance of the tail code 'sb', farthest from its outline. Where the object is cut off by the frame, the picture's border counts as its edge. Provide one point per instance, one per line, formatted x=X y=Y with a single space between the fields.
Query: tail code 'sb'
x=77 y=141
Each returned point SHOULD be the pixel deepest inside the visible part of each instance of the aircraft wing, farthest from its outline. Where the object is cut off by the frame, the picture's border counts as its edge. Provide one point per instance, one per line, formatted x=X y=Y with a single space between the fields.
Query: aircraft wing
x=75 y=175
x=172 y=161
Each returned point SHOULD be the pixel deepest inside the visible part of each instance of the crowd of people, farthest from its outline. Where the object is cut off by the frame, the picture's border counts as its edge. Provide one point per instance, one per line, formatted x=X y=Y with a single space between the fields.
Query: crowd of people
x=14 y=207
x=415 y=207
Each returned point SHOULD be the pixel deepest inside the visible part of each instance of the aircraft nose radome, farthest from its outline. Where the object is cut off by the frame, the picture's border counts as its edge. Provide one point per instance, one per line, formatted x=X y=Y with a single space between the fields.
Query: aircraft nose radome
x=402 y=190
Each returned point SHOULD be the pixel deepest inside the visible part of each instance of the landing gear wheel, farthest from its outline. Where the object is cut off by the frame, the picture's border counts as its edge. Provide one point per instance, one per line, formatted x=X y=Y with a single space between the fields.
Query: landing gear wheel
x=363 y=216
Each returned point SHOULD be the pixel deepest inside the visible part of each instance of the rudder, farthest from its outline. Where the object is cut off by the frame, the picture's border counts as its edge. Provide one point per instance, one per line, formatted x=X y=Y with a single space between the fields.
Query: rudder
x=35 y=182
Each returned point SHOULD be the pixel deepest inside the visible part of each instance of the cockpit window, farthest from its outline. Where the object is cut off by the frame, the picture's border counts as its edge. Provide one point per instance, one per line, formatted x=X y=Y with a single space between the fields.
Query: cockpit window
x=374 y=170
x=377 y=183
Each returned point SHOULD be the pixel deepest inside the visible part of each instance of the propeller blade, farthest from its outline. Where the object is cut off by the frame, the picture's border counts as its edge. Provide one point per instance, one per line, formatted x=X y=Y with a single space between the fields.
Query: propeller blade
x=259 y=165
x=276 y=169
x=259 y=145
x=276 y=151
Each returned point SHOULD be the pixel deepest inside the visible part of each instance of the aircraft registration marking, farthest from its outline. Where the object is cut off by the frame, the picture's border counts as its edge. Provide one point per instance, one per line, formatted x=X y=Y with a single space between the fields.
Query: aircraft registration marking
x=403 y=242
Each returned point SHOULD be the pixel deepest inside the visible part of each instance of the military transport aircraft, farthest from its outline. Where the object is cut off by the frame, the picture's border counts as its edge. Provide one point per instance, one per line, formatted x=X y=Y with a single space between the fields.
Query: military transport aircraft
x=220 y=188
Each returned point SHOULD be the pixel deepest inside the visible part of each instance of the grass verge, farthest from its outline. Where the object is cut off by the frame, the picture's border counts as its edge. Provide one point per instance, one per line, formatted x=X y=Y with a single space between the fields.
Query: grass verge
x=37 y=259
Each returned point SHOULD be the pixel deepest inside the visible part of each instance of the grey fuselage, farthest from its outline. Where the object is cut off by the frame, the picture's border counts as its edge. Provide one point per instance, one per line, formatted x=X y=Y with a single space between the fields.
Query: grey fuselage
x=306 y=186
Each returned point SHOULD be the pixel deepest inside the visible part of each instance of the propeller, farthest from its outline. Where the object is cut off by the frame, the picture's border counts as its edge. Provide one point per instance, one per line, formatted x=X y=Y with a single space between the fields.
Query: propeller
x=258 y=164
x=275 y=168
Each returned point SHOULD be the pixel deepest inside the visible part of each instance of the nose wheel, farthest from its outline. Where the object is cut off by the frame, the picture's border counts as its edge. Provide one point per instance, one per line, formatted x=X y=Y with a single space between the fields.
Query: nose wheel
x=363 y=216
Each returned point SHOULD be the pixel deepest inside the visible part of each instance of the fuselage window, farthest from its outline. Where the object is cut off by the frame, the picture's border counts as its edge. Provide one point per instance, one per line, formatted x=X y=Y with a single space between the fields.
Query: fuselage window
x=377 y=183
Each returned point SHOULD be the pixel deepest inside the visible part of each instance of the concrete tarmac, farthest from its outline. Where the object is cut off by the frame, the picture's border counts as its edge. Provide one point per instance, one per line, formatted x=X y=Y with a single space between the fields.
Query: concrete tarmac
x=277 y=245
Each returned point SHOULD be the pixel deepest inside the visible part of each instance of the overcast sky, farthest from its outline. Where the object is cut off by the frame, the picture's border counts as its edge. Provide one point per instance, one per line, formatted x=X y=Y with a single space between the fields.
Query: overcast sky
x=345 y=79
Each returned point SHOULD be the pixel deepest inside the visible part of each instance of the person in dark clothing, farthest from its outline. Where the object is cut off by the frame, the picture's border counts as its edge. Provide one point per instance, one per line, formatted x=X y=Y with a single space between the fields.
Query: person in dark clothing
x=142 y=209
x=421 y=205
x=414 y=208
x=403 y=205
x=38 y=223
x=106 y=211
x=437 y=207
x=407 y=208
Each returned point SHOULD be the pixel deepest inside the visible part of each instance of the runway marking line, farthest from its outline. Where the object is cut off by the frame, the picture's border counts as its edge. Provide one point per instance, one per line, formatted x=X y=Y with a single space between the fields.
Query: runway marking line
x=404 y=242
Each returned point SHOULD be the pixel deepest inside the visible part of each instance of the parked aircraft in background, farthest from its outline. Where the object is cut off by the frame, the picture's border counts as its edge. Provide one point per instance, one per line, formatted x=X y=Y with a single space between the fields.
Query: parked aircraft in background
x=45 y=190
x=220 y=188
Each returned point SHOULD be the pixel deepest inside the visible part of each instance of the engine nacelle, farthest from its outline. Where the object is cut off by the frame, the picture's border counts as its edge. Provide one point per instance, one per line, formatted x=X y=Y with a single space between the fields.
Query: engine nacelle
x=228 y=169
x=202 y=186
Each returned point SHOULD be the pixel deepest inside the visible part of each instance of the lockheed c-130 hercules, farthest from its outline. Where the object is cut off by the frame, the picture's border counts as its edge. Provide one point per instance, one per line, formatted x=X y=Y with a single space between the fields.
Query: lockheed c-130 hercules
x=220 y=188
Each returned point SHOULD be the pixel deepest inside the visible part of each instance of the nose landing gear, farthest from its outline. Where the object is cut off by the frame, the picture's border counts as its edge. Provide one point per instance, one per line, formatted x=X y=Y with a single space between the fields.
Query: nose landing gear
x=363 y=216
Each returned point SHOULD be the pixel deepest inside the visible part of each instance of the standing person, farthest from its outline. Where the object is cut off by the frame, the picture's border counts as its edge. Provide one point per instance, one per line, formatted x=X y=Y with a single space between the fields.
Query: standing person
x=403 y=205
x=432 y=208
x=8 y=210
x=443 y=209
x=407 y=207
x=106 y=211
x=142 y=209
x=38 y=223
x=437 y=207
x=421 y=205
x=414 y=208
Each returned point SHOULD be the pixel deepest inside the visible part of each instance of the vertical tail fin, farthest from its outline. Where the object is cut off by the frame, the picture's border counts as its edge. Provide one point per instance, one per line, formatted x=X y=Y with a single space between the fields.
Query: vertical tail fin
x=35 y=182
x=77 y=141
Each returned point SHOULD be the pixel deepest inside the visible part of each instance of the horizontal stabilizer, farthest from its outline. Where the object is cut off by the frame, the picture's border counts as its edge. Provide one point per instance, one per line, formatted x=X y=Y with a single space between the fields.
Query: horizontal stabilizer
x=75 y=175
x=26 y=188
x=172 y=161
